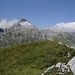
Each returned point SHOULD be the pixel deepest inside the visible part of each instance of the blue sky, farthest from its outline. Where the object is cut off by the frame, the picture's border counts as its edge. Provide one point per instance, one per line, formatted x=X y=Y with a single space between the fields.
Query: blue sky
x=41 y=13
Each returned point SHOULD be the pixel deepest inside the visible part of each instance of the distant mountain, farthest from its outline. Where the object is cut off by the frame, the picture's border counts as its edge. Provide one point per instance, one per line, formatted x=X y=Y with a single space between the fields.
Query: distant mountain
x=48 y=34
x=17 y=32
x=63 y=37
x=61 y=32
x=66 y=38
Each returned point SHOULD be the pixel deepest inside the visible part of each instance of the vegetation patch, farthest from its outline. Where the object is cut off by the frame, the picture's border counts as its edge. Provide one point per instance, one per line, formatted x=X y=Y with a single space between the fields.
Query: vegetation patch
x=33 y=58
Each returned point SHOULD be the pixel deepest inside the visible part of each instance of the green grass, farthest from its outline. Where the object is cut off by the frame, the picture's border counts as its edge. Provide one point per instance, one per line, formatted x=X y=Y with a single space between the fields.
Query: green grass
x=32 y=58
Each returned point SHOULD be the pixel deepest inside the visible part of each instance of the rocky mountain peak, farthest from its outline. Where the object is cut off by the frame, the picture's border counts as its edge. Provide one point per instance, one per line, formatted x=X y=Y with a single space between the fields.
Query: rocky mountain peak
x=22 y=20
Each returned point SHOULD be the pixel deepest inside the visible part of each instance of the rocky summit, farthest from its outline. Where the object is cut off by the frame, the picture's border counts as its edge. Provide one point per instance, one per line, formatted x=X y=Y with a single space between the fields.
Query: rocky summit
x=17 y=32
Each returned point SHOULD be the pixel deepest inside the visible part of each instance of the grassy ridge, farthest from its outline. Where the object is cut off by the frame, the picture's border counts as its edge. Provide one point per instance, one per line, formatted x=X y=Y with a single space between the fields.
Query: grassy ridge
x=32 y=58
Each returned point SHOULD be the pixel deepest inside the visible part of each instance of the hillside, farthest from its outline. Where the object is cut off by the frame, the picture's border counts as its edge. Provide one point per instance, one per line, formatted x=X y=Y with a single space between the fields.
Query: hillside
x=65 y=38
x=33 y=58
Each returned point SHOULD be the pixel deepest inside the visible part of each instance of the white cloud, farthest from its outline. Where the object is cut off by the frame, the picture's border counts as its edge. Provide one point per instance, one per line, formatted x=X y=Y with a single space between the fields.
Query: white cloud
x=3 y=23
x=7 y=24
x=65 y=27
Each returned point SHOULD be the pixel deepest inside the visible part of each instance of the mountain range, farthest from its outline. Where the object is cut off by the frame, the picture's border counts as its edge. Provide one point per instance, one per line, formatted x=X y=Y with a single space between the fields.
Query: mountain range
x=18 y=31
x=21 y=31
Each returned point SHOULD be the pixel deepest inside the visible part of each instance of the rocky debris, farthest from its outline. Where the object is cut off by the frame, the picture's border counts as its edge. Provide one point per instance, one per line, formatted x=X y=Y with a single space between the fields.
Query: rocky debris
x=71 y=63
x=58 y=69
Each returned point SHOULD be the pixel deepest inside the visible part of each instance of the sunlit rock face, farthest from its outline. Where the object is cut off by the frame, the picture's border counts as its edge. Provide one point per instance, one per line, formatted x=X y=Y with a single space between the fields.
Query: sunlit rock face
x=72 y=64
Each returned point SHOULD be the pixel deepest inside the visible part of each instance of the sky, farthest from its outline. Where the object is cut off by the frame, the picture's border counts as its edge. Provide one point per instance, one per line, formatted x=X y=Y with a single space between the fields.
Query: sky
x=41 y=13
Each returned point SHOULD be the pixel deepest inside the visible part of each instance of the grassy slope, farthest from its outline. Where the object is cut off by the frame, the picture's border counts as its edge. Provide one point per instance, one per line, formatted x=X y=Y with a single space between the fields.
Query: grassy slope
x=32 y=58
